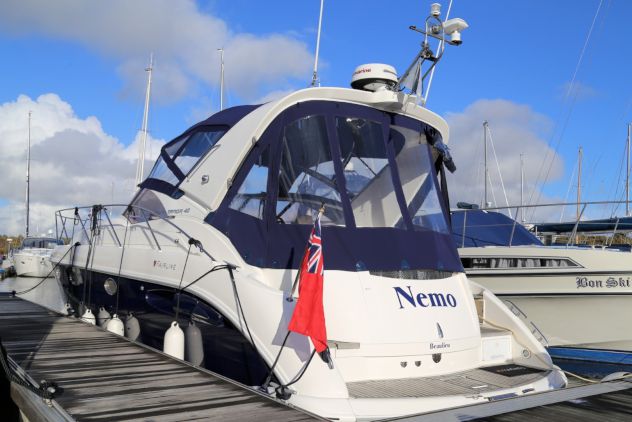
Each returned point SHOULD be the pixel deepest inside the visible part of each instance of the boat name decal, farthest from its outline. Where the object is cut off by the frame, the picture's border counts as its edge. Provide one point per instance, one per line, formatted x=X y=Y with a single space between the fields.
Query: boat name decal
x=442 y=345
x=424 y=299
x=164 y=265
x=611 y=282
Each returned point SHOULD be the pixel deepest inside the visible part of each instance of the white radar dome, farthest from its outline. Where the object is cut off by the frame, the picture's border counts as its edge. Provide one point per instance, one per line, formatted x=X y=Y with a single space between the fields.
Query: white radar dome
x=374 y=77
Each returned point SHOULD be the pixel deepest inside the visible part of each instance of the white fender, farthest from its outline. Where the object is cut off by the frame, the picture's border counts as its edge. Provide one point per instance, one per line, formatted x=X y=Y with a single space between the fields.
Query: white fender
x=115 y=325
x=103 y=316
x=194 y=344
x=132 y=327
x=88 y=317
x=174 y=341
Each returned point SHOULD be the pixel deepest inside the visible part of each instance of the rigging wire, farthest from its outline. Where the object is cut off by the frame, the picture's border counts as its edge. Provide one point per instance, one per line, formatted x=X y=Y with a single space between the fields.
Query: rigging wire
x=500 y=175
x=571 y=91
x=568 y=191
x=615 y=207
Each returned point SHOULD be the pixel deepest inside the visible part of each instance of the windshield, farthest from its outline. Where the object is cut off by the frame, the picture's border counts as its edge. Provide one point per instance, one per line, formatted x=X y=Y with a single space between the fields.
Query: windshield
x=184 y=153
x=41 y=242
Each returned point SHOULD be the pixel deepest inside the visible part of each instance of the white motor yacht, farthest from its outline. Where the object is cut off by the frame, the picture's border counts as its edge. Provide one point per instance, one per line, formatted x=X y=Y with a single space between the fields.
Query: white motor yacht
x=32 y=259
x=570 y=296
x=215 y=236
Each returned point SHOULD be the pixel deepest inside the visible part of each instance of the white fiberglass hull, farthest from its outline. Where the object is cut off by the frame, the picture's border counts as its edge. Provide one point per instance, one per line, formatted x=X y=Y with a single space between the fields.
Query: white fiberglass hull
x=586 y=304
x=28 y=264
x=380 y=340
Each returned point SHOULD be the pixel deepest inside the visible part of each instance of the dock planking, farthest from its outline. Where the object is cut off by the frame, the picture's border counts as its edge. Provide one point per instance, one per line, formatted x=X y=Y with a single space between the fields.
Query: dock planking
x=105 y=377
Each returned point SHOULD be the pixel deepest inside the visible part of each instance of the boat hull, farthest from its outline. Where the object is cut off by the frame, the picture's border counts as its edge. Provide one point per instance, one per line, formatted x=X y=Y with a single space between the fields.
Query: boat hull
x=32 y=265
x=586 y=305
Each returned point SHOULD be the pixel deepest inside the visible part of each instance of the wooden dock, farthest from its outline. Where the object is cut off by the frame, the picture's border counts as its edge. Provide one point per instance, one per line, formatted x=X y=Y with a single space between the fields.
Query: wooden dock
x=105 y=377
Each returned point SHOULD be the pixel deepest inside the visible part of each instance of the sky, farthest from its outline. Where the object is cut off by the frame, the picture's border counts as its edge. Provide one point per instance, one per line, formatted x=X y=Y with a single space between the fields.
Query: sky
x=529 y=68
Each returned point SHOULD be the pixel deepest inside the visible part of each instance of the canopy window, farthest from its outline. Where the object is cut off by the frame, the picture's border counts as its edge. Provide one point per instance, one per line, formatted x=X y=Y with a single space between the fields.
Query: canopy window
x=251 y=196
x=306 y=175
x=179 y=156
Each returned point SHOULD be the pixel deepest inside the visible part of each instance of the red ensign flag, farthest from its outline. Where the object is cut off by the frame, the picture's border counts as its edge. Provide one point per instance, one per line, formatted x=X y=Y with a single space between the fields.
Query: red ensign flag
x=309 y=316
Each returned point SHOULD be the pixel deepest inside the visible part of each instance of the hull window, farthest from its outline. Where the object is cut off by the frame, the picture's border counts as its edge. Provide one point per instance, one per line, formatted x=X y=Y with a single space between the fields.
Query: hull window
x=512 y=263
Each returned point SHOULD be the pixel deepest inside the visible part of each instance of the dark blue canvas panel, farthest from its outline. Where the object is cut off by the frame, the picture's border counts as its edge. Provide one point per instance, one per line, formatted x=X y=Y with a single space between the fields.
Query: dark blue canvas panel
x=602 y=225
x=345 y=249
x=484 y=228
x=162 y=187
x=228 y=117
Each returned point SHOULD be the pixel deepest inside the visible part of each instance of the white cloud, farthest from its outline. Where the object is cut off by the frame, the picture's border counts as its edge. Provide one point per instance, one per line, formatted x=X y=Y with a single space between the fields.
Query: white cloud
x=184 y=39
x=73 y=161
x=515 y=129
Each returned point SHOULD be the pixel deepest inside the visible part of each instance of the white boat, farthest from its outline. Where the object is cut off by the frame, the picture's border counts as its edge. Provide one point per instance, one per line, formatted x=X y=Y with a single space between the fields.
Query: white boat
x=568 y=295
x=216 y=233
x=32 y=259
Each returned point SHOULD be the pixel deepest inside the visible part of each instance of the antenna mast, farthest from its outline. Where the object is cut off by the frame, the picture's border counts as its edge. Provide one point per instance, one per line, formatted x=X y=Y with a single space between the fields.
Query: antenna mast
x=140 y=170
x=627 y=174
x=522 y=187
x=320 y=22
x=485 y=123
x=28 y=171
x=221 y=79
x=579 y=178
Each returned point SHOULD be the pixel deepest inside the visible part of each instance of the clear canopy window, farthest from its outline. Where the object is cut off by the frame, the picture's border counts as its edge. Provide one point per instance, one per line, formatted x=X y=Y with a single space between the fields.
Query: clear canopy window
x=251 y=196
x=414 y=164
x=184 y=153
x=360 y=170
x=368 y=178
x=306 y=176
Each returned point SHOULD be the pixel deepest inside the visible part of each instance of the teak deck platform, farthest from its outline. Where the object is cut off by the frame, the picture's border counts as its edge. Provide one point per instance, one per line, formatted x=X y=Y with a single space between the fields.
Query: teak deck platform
x=105 y=377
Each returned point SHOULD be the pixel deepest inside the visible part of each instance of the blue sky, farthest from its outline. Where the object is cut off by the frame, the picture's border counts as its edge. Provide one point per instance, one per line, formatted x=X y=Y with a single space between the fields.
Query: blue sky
x=516 y=61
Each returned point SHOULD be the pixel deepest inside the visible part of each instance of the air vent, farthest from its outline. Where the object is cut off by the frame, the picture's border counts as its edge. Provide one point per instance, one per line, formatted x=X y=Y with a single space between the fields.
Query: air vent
x=413 y=274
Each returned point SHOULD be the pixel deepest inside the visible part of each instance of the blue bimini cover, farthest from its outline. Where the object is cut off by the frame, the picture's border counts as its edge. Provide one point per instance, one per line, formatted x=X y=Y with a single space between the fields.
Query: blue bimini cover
x=483 y=228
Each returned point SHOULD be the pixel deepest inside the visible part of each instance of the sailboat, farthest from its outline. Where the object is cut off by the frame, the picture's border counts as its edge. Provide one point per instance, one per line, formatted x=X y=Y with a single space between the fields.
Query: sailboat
x=214 y=239
x=32 y=258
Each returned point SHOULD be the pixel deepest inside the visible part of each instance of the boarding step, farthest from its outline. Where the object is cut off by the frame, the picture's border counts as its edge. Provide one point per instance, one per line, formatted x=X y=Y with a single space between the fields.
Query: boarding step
x=474 y=381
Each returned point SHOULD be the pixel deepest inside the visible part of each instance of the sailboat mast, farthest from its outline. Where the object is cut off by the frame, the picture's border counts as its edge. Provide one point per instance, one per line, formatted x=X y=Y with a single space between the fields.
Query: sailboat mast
x=221 y=79
x=485 y=161
x=28 y=172
x=522 y=187
x=627 y=174
x=143 y=145
x=579 y=178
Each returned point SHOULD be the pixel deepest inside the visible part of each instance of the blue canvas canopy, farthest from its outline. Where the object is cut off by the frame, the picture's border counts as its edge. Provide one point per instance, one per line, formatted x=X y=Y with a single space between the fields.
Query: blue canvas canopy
x=602 y=225
x=484 y=228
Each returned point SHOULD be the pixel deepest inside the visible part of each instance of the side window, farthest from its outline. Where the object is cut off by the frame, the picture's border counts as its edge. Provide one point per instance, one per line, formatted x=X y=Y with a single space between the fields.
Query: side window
x=251 y=196
x=306 y=176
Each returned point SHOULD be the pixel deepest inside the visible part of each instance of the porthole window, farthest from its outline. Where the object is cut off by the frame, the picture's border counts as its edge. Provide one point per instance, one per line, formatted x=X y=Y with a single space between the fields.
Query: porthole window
x=110 y=286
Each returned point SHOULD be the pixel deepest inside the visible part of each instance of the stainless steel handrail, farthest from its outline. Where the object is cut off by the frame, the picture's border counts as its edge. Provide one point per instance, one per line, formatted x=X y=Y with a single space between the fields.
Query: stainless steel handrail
x=144 y=211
